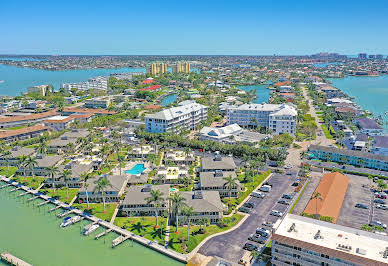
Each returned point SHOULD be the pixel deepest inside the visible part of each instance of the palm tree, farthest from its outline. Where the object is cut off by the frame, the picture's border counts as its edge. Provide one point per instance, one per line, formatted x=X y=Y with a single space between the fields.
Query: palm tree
x=120 y=159
x=230 y=182
x=85 y=177
x=42 y=148
x=31 y=163
x=65 y=176
x=316 y=196
x=22 y=163
x=177 y=202
x=188 y=212
x=370 y=178
x=102 y=184
x=52 y=171
x=155 y=198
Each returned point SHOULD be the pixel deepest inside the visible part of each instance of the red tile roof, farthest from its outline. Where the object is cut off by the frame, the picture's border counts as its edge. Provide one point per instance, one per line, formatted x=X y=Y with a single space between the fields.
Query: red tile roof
x=154 y=87
x=147 y=81
x=28 y=117
x=15 y=132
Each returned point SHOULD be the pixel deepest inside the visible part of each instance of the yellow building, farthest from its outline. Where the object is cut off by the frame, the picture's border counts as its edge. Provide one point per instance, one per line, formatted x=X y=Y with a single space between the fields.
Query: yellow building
x=181 y=67
x=157 y=68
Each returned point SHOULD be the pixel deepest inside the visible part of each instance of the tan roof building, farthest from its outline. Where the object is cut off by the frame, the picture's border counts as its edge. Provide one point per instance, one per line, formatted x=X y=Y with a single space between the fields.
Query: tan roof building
x=332 y=190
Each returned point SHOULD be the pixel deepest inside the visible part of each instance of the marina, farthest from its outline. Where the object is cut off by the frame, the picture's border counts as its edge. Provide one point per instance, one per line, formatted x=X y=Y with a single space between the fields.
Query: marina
x=114 y=235
x=13 y=260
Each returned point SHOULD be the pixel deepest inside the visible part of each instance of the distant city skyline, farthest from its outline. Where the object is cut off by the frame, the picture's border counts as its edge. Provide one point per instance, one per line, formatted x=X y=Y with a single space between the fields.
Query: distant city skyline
x=193 y=28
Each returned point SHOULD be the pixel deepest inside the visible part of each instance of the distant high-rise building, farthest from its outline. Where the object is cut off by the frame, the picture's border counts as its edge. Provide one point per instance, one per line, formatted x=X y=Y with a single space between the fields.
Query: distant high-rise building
x=371 y=56
x=379 y=56
x=362 y=56
x=157 y=68
x=181 y=67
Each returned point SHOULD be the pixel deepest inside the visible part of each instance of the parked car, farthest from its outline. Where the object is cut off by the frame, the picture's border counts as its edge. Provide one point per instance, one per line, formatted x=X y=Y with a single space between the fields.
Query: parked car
x=250 y=247
x=295 y=184
x=276 y=213
x=382 y=206
x=266 y=188
x=268 y=224
x=257 y=238
x=287 y=196
x=258 y=194
x=262 y=232
x=362 y=206
x=284 y=202
x=288 y=166
x=378 y=223
x=249 y=205
x=379 y=201
x=244 y=209
x=380 y=195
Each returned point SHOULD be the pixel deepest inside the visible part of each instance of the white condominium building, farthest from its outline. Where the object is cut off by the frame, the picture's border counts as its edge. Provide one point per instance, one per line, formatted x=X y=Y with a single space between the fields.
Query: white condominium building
x=301 y=241
x=280 y=118
x=97 y=83
x=176 y=118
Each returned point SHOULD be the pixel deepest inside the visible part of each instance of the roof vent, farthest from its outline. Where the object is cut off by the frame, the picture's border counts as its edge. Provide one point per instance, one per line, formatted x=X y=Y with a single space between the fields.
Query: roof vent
x=385 y=255
x=147 y=188
x=197 y=195
x=292 y=228
x=218 y=173
x=344 y=247
x=318 y=235
x=361 y=251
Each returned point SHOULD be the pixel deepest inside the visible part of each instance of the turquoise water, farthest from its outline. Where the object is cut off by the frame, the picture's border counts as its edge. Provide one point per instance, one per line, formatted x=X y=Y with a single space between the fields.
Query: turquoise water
x=18 y=79
x=321 y=65
x=371 y=93
x=169 y=99
x=137 y=169
x=34 y=235
x=262 y=93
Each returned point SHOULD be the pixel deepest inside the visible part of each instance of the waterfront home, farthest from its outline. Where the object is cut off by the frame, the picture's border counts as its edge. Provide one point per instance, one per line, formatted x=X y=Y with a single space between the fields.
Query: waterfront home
x=23 y=133
x=176 y=118
x=13 y=157
x=113 y=192
x=380 y=145
x=135 y=201
x=206 y=204
x=179 y=157
x=74 y=181
x=369 y=126
x=209 y=164
x=68 y=141
x=356 y=158
x=142 y=151
x=43 y=162
x=231 y=134
x=98 y=102
x=171 y=175
x=21 y=120
x=214 y=181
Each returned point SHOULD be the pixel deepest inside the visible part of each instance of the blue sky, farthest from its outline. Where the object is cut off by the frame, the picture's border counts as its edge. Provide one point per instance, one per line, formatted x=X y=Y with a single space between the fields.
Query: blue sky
x=193 y=27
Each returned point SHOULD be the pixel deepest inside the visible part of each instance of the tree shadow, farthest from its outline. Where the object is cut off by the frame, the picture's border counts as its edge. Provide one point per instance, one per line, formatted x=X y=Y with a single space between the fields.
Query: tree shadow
x=139 y=227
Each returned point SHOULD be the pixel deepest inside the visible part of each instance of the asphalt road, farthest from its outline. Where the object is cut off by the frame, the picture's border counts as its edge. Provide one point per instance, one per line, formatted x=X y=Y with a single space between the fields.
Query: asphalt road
x=229 y=245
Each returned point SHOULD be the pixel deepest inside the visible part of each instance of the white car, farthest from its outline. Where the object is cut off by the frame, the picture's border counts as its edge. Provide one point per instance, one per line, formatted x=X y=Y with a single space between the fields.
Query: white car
x=288 y=166
x=258 y=194
x=378 y=223
x=382 y=206
x=276 y=213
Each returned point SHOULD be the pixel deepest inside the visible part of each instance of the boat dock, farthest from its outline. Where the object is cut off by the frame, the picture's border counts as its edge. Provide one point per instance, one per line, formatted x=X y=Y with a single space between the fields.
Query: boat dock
x=117 y=241
x=22 y=194
x=4 y=186
x=103 y=233
x=110 y=227
x=43 y=203
x=13 y=260
x=54 y=209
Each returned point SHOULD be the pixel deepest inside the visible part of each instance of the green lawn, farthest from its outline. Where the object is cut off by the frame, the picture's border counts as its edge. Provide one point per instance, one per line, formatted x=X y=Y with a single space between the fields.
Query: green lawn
x=60 y=194
x=180 y=243
x=326 y=132
x=97 y=209
x=29 y=181
x=144 y=226
x=8 y=171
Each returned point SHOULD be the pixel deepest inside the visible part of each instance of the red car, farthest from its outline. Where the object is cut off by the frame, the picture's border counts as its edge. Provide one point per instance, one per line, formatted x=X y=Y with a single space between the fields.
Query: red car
x=380 y=195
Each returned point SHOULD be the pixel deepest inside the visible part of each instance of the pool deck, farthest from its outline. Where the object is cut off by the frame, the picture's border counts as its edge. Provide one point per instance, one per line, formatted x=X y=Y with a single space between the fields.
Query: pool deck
x=108 y=225
x=130 y=165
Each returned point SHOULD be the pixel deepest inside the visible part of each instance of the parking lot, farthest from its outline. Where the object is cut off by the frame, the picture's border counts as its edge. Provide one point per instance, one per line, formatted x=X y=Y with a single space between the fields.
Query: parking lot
x=358 y=192
x=229 y=245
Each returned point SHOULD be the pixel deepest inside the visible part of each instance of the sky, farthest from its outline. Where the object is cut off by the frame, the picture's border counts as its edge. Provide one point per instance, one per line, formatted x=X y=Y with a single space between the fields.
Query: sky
x=212 y=27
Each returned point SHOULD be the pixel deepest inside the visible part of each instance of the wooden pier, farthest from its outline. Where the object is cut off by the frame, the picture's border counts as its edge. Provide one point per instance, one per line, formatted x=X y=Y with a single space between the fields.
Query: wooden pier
x=63 y=214
x=4 y=186
x=14 y=189
x=11 y=259
x=117 y=241
x=23 y=194
x=103 y=233
x=33 y=198
x=43 y=203
x=55 y=208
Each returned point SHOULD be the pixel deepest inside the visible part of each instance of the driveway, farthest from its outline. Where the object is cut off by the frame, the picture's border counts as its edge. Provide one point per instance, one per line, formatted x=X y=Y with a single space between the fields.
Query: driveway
x=229 y=245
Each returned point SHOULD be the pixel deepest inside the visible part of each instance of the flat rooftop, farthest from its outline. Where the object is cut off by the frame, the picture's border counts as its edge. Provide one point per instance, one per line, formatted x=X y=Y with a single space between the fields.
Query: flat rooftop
x=363 y=244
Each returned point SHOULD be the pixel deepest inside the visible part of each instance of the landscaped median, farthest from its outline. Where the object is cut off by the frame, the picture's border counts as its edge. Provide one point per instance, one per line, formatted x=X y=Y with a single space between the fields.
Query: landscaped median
x=326 y=132
x=144 y=226
x=181 y=242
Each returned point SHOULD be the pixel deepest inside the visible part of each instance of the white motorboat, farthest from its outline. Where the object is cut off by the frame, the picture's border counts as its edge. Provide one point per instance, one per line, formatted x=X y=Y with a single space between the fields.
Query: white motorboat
x=90 y=229
x=66 y=222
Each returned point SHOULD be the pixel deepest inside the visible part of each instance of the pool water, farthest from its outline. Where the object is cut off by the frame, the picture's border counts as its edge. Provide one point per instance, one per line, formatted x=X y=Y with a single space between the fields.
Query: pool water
x=137 y=169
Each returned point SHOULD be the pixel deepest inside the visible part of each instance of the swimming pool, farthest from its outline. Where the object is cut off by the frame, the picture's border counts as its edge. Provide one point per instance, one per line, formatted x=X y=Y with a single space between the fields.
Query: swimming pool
x=137 y=169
